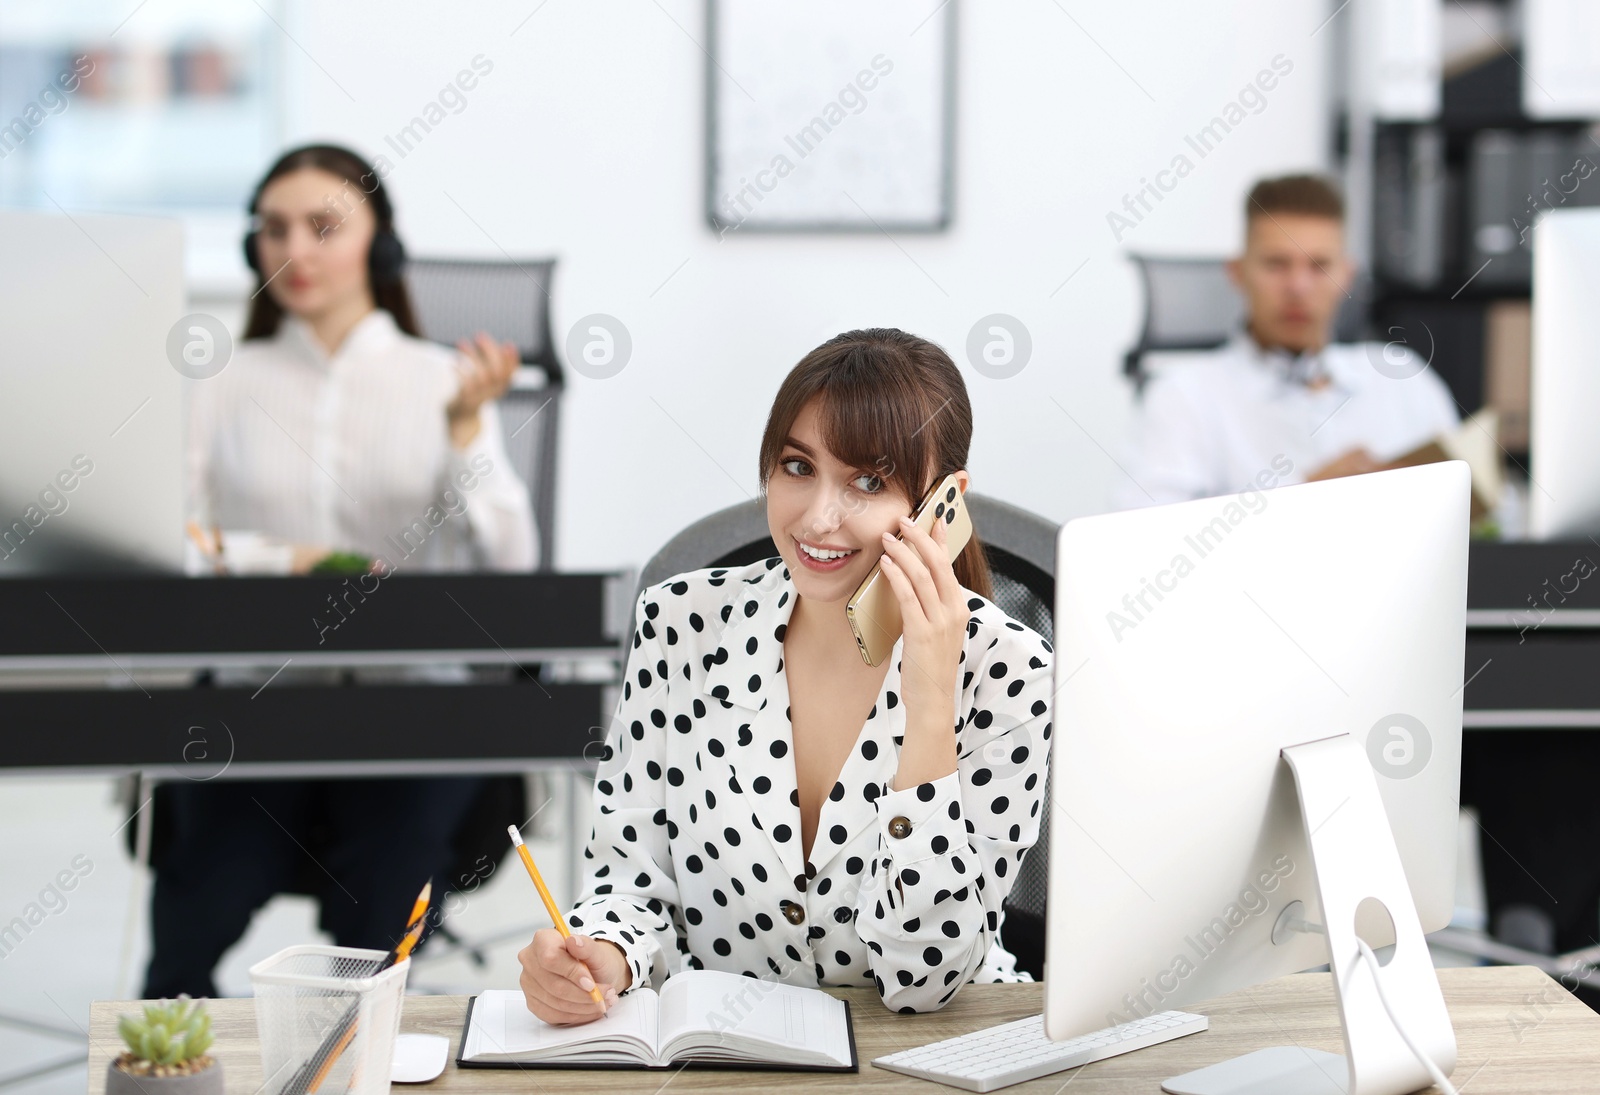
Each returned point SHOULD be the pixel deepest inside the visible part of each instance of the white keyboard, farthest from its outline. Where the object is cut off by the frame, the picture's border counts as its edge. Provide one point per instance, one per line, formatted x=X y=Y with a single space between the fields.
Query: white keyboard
x=987 y=1060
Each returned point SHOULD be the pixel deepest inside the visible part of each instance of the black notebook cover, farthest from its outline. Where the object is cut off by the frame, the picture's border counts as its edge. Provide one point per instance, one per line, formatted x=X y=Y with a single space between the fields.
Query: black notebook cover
x=739 y=1066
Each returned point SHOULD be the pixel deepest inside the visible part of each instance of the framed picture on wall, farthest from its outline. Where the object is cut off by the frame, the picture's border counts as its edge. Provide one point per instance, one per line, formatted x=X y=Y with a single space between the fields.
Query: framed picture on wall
x=832 y=116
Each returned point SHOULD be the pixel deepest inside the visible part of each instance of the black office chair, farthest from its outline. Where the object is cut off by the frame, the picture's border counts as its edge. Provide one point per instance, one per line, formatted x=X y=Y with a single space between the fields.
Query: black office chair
x=1189 y=304
x=457 y=298
x=1021 y=551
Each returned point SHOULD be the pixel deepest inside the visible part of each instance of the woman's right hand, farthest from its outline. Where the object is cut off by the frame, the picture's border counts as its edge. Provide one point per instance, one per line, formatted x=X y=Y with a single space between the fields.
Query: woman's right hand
x=557 y=974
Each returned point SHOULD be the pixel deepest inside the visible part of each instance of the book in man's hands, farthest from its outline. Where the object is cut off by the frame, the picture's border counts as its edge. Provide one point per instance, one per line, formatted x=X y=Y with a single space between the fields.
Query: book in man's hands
x=1476 y=442
x=700 y=1017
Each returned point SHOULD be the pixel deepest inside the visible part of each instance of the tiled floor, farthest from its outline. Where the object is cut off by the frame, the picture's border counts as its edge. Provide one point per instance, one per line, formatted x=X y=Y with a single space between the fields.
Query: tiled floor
x=92 y=945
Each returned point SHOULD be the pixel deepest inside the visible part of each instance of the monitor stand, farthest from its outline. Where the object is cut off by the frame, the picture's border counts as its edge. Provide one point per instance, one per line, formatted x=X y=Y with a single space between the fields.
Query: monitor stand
x=1356 y=864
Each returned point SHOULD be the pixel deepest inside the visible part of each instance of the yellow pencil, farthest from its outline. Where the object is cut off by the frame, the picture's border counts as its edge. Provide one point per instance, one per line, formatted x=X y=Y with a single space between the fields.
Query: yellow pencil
x=345 y=1031
x=414 y=926
x=544 y=894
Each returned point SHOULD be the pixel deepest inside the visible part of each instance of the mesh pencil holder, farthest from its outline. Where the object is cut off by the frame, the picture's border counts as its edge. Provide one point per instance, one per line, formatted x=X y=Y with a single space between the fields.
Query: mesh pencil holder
x=327 y=1018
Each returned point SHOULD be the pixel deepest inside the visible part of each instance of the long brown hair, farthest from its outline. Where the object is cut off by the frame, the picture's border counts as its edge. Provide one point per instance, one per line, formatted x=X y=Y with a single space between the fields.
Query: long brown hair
x=892 y=404
x=387 y=293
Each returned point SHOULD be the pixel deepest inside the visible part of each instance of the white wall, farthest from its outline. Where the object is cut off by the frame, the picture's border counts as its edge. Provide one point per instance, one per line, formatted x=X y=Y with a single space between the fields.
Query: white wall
x=587 y=141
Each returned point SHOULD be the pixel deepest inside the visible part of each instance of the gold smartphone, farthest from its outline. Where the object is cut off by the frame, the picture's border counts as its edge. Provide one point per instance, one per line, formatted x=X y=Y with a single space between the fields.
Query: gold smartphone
x=873 y=611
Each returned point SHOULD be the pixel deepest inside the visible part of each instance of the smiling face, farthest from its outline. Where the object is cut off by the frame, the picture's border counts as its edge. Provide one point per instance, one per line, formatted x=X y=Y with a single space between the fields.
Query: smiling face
x=316 y=230
x=828 y=518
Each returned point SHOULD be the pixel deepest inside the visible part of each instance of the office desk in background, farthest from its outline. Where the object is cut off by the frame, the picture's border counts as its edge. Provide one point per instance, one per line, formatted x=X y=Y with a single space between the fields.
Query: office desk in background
x=1533 y=637
x=1525 y=668
x=1518 y=1032
x=109 y=631
x=100 y=675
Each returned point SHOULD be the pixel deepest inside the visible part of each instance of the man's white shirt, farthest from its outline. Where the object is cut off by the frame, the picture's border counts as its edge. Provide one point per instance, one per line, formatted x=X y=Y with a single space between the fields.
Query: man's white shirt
x=1210 y=423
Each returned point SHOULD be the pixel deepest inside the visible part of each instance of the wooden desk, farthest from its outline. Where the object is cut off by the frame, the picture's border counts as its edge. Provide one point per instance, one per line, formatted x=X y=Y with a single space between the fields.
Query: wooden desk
x=1518 y=1031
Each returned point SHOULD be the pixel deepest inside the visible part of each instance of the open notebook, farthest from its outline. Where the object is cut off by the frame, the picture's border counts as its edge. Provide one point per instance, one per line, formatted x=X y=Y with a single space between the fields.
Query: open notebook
x=700 y=1017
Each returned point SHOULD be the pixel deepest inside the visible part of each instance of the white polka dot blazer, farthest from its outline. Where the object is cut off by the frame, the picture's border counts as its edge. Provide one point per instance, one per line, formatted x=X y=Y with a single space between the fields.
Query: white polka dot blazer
x=695 y=858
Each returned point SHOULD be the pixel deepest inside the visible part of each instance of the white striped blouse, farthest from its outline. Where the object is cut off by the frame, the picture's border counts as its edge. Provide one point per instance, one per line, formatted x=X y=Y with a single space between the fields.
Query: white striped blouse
x=352 y=452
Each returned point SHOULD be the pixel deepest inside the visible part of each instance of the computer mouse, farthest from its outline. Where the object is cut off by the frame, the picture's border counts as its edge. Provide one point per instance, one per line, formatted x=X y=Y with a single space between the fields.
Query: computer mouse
x=419 y=1058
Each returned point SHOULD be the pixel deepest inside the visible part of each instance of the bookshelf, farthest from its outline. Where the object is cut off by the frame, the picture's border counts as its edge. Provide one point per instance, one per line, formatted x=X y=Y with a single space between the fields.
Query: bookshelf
x=1446 y=190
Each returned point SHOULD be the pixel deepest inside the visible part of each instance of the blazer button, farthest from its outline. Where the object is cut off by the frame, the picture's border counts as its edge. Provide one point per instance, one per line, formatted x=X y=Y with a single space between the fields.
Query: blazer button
x=899 y=826
x=794 y=913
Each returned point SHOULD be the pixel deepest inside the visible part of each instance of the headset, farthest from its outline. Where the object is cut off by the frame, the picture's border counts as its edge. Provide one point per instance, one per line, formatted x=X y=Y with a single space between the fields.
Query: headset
x=386 y=259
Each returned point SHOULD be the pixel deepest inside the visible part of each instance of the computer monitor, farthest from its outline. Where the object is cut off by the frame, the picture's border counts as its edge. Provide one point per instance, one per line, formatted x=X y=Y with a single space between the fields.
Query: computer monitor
x=91 y=406
x=1200 y=646
x=1564 y=496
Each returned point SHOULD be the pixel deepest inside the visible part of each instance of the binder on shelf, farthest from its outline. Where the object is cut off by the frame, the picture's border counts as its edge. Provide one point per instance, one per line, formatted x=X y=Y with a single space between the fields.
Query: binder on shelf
x=1549 y=154
x=1409 y=205
x=1396 y=56
x=1512 y=179
x=1494 y=250
x=1561 y=69
x=1579 y=181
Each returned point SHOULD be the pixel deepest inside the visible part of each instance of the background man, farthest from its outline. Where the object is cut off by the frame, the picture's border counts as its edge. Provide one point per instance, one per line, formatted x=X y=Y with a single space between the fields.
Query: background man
x=1211 y=423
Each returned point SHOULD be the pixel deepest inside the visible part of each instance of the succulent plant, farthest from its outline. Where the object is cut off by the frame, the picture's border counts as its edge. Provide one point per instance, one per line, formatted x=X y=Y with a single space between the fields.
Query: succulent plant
x=167 y=1033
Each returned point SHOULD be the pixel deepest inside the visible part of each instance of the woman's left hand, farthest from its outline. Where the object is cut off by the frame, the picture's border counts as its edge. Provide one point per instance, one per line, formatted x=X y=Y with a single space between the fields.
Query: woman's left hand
x=933 y=610
x=485 y=370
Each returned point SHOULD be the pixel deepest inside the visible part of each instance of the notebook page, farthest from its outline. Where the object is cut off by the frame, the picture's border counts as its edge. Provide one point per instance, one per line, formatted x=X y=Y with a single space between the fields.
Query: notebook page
x=712 y=1013
x=504 y=1029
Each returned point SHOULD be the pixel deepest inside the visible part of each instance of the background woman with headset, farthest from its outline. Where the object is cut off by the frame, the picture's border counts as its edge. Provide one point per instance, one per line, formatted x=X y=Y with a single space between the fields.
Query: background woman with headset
x=336 y=428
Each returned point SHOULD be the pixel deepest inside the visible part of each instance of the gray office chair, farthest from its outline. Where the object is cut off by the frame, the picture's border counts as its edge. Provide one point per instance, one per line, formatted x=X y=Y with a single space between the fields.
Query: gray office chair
x=1189 y=304
x=510 y=300
x=1021 y=549
x=457 y=298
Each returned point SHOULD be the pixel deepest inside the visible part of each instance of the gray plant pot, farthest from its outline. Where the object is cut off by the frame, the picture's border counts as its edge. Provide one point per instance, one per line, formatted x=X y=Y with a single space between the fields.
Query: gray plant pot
x=206 y=1082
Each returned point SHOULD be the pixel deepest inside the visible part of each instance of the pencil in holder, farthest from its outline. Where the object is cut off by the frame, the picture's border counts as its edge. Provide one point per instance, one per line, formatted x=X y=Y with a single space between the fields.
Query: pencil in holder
x=327 y=1019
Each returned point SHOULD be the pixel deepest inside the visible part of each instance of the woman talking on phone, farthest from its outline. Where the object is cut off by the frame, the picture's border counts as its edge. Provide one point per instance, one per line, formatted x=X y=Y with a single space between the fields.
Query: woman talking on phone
x=768 y=802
